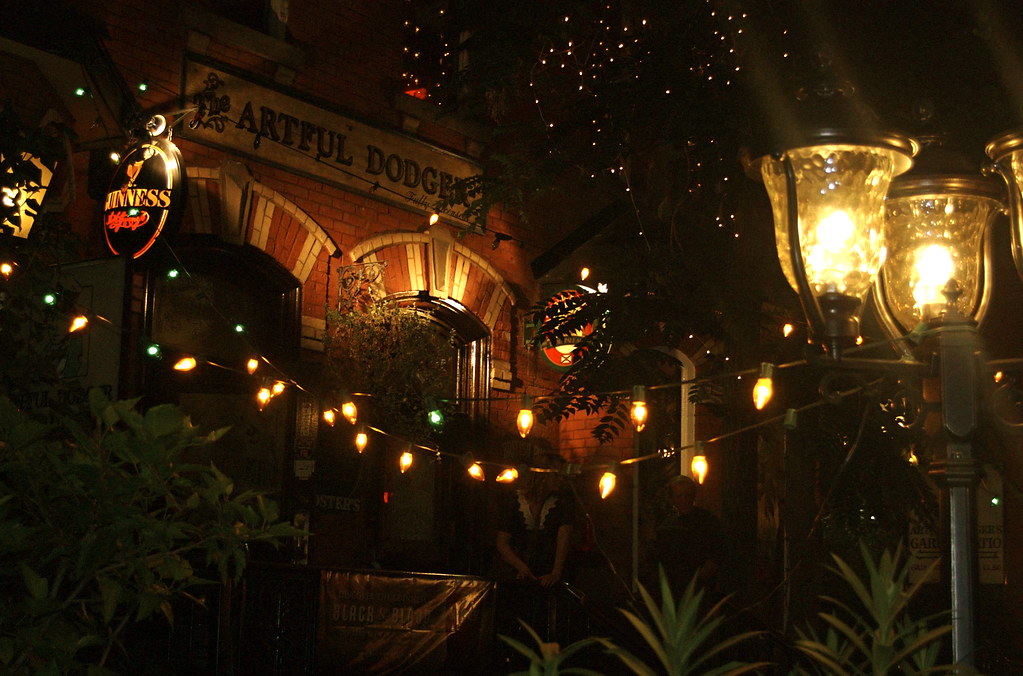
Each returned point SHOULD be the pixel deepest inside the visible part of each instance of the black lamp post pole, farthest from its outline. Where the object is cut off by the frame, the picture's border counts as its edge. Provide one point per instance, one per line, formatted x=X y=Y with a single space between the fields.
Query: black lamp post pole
x=958 y=351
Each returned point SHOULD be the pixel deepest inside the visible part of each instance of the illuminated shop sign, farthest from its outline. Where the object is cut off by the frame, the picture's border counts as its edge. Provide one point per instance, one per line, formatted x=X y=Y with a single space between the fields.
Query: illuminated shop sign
x=145 y=197
x=249 y=119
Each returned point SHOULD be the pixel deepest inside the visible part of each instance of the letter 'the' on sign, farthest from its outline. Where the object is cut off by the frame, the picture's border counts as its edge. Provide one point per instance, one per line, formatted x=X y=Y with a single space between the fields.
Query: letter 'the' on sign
x=145 y=198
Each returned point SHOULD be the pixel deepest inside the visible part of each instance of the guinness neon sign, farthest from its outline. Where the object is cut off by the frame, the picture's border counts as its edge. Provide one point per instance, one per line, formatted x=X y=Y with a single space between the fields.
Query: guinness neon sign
x=145 y=197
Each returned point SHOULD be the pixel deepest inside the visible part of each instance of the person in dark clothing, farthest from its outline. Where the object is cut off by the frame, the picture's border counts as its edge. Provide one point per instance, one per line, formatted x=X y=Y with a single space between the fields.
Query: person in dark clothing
x=689 y=542
x=534 y=528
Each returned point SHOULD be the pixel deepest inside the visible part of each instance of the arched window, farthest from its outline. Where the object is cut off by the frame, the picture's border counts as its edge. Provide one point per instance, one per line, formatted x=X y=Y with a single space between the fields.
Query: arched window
x=469 y=384
x=223 y=305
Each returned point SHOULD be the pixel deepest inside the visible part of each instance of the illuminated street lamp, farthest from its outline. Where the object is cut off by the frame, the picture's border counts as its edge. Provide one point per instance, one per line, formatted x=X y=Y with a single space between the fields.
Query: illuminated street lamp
x=828 y=203
x=935 y=232
x=839 y=216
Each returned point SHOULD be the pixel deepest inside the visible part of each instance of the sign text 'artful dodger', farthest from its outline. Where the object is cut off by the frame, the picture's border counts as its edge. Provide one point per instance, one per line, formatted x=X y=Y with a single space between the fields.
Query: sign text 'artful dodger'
x=269 y=125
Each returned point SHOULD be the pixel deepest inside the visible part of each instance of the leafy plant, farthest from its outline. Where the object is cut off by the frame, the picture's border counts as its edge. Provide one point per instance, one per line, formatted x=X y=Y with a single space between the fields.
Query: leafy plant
x=103 y=526
x=679 y=636
x=395 y=355
x=881 y=638
x=547 y=659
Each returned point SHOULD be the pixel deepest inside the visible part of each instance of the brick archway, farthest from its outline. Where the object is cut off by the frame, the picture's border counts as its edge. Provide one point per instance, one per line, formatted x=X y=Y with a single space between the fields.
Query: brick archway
x=434 y=262
x=227 y=202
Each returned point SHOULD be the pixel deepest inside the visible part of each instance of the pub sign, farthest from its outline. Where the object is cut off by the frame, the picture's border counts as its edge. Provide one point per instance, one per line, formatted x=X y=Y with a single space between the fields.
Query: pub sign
x=145 y=198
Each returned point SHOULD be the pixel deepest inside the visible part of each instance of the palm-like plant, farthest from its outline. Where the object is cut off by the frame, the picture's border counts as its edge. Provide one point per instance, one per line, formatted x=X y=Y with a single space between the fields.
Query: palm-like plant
x=547 y=659
x=881 y=638
x=679 y=635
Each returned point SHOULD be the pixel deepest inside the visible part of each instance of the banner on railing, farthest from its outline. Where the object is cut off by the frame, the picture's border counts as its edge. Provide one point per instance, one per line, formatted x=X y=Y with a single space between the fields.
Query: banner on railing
x=375 y=623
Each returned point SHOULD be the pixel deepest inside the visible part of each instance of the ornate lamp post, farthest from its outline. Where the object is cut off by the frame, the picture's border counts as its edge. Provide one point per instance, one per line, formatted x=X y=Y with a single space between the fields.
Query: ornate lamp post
x=840 y=213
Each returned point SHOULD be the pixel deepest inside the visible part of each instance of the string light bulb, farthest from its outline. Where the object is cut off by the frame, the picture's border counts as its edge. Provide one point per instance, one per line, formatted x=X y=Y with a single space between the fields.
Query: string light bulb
x=524 y=420
x=787 y=330
x=329 y=417
x=507 y=475
x=78 y=323
x=349 y=410
x=475 y=470
x=433 y=414
x=251 y=365
x=361 y=440
x=764 y=387
x=185 y=364
x=699 y=465
x=434 y=218
x=639 y=411
x=6 y=269
x=405 y=461
x=608 y=481
x=263 y=396
x=277 y=388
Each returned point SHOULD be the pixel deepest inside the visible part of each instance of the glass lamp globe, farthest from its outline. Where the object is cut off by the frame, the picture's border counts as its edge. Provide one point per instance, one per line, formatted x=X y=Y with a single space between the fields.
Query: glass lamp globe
x=838 y=189
x=1007 y=153
x=935 y=233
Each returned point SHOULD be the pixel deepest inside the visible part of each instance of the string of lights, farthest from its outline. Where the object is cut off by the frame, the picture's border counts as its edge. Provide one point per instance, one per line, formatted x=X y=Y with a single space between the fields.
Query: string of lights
x=276 y=384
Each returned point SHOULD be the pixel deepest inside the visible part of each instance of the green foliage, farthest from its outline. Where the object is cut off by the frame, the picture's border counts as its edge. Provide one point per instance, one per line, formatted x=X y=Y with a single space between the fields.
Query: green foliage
x=34 y=334
x=103 y=527
x=395 y=355
x=878 y=636
x=680 y=636
x=658 y=304
x=547 y=659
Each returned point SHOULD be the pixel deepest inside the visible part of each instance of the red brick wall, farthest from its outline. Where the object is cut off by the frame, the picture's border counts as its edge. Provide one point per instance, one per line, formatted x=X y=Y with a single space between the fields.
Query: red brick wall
x=354 y=63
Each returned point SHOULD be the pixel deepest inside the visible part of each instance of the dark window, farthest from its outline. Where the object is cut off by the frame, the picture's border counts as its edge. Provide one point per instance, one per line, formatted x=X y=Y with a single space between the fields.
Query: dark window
x=224 y=305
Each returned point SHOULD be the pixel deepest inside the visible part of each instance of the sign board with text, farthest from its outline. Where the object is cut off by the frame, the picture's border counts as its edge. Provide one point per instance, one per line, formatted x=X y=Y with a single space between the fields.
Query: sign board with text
x=236 y=113
x=925 y=545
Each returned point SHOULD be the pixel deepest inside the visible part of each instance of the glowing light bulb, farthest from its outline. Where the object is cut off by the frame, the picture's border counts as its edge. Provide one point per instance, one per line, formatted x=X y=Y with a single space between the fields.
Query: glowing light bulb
x=584 y=274
x=998 y=376
x=361 y=440
x=476 y=472
x=639 y=411
x=433 y=414
x=507 y=475
x=933 y=269
x=405 y=461
x=699 y=468
x=764 y=387
x=78 y=323
x=6 y=269
x=607 y=483
x=524 y=420
x=277 y=388
x=251 y=365
x=185 y=364
x=329 y=416
x=349 y=411
x=434 y=218
x=787 y=330
x=263 y=396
